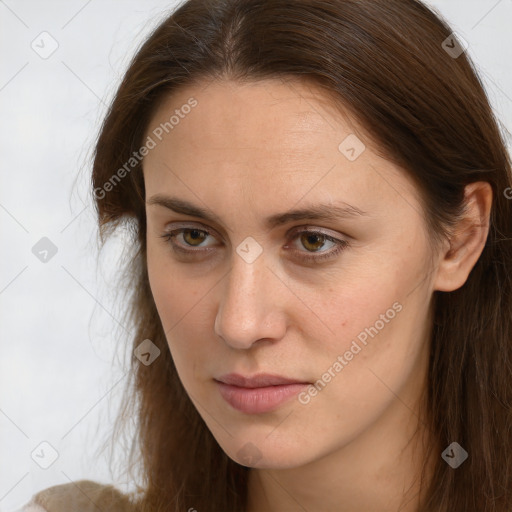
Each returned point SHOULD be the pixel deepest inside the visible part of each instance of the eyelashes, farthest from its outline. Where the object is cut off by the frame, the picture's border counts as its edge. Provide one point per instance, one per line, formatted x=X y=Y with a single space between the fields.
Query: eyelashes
x=305 y=237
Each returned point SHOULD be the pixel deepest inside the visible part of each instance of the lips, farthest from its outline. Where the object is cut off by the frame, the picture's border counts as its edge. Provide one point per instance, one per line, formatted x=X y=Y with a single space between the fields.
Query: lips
x=261 y=380
x=258 y=394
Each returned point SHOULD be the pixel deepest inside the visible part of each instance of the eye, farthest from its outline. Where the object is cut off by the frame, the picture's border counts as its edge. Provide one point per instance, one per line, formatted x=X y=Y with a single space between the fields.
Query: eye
x=192 y=237
x=312 y=241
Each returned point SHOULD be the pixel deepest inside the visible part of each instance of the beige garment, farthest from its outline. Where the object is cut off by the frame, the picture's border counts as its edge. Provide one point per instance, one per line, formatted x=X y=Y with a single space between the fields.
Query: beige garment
x=80 y=496
x=32 y=507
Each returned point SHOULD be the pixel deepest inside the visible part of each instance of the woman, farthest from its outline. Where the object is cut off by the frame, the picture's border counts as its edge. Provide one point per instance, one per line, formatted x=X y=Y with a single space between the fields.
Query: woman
x=319 y=200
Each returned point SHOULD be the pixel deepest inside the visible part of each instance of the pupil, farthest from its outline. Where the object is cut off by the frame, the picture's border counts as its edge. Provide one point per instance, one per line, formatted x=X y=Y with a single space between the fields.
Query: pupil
x=194 y=234
x=313 y=239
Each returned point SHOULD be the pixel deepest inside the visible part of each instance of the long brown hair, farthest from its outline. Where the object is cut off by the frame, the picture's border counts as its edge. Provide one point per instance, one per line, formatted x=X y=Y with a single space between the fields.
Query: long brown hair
x=425 y=109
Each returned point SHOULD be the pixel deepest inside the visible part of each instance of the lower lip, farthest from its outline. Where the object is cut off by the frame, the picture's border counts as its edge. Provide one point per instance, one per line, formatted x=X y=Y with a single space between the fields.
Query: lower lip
x=258 y=400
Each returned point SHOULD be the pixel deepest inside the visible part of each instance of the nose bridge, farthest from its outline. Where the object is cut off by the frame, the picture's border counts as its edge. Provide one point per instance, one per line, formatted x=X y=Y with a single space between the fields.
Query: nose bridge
x=246 y=303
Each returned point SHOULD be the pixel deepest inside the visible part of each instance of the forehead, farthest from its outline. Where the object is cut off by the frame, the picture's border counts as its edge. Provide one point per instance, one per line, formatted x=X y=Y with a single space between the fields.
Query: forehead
x=274 y=141
x=273 y=110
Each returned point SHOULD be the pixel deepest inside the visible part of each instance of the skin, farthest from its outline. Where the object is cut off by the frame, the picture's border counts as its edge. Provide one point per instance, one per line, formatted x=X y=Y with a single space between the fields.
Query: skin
x=247 y=151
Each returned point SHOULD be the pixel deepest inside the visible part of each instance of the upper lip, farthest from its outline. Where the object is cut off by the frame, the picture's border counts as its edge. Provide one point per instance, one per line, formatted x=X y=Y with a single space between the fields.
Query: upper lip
x=257 y=381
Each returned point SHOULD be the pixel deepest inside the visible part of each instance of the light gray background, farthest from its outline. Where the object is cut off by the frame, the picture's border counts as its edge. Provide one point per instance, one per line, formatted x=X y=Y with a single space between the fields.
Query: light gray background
x=60 y=372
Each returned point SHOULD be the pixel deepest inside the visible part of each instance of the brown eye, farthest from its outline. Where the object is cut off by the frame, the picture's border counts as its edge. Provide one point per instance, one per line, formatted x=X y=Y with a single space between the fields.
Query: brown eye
x=194 y=237
x=312 y=241
x=189 y=241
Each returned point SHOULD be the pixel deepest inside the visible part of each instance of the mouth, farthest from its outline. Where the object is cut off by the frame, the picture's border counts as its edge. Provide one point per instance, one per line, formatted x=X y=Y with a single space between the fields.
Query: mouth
x=258 y=394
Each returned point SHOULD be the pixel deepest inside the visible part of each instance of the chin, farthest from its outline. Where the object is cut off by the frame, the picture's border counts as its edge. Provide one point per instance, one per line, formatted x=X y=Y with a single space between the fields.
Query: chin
x=261 y=453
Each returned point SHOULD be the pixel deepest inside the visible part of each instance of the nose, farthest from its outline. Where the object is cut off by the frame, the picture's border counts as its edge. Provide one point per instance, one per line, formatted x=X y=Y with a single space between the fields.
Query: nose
x=249 y=308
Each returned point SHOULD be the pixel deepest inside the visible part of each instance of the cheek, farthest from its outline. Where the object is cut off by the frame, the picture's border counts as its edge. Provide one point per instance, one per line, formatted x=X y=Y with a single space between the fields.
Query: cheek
x=353 y=303
x=373 y=317
x=175 y=292
x=380 y=348
x=366 y=330
x=181 y=302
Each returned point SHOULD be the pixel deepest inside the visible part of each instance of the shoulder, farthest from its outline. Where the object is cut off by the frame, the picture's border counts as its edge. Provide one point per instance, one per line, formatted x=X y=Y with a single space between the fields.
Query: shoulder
x=80 y=496
x=31 y=507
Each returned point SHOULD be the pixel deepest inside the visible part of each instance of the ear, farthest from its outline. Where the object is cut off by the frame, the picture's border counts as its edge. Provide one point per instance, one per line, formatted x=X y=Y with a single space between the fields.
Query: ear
x=468 y=239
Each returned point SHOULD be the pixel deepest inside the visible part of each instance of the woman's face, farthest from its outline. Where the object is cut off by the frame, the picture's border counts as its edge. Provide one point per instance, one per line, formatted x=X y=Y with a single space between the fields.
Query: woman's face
x=340 y=300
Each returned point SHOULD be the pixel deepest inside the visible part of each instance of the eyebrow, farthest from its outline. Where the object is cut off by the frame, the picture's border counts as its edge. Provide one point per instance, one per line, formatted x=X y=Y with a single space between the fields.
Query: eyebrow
x=310 y=212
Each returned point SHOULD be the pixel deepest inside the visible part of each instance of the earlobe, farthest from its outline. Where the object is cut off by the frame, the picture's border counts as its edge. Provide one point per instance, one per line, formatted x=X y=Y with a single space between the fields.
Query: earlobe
x=467 y=240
